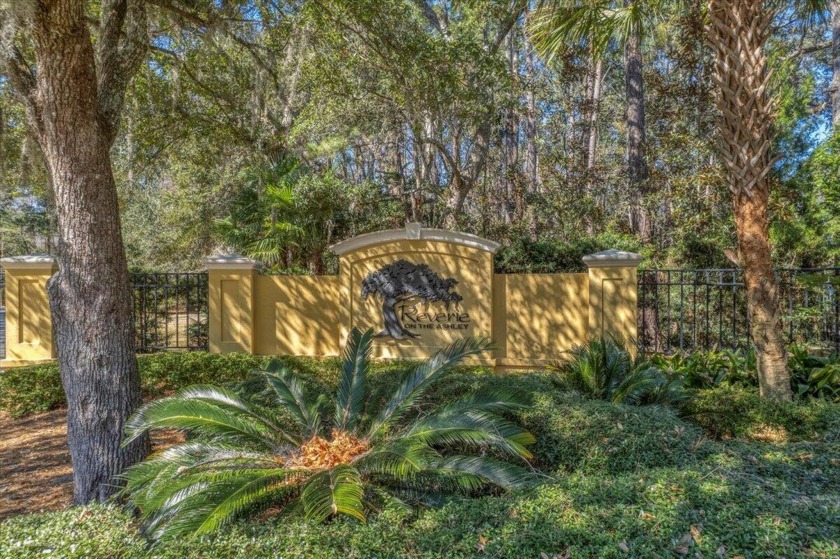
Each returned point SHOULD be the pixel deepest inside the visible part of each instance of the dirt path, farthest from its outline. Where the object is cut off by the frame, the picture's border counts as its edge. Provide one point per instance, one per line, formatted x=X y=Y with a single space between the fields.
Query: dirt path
x=35 y=471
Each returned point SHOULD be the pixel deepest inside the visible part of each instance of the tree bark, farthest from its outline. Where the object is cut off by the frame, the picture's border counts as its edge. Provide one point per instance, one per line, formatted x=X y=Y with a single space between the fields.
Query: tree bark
x=738 y=33
x=835 y=61
x=637 y=169
x=75 y=116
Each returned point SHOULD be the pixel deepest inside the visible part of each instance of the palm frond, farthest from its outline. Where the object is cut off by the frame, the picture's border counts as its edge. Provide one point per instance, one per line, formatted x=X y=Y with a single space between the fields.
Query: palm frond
x=207 y=411
x=212 y=501
x=351 y=387
x=400 y=459
x=423 y=377
x=288 y=394
x=486 y=468
x=335 y=491
x=472 y=428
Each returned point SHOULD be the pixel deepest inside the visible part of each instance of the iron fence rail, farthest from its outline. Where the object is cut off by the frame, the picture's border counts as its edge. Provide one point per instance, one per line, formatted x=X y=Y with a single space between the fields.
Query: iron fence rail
x=687 y=310
x=170 y=311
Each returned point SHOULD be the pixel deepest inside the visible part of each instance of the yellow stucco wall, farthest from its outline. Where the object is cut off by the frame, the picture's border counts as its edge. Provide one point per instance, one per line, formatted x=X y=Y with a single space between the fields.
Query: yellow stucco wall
x=29 y=337
x=471 y=267
x=297 y=315
x=533 y=319
x=537 y=317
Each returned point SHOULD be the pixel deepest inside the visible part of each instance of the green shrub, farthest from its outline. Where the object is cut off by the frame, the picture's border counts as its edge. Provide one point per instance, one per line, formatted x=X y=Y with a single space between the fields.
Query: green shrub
x=603 y=369
x=707 y=369
x=814 y=375
x=524 y=256
x=727 y=412
x=577 y=434
x=36 y=389
x=28 y=390
x=324 y=456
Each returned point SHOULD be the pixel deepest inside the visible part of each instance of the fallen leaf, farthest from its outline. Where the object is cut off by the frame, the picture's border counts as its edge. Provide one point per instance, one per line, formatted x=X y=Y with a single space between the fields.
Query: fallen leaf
x=482 y=542
x=721 y=551
x=623 y=546
x=695 y=535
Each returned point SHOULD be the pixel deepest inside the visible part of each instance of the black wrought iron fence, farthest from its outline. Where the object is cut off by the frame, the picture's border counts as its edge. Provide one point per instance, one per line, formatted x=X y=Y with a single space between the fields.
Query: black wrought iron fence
x=170 y=311
x=686 y=310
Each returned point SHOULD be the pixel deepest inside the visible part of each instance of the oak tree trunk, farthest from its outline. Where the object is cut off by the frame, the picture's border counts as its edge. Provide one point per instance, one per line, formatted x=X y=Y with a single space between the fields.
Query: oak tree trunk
x=90 y=297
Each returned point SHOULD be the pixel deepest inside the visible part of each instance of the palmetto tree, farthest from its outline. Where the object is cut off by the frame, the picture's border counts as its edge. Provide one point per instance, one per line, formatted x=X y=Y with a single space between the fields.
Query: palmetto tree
x=322 y=458
x=738 y=31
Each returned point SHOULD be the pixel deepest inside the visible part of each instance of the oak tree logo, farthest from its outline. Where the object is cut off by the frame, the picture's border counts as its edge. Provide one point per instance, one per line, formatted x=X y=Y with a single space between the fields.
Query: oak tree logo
x=400 y=281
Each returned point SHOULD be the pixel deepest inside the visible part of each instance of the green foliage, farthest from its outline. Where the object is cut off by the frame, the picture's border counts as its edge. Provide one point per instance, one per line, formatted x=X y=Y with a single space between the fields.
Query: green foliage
x=749 y=499
x=34 y=389
x=728 y=411
x=811 y=375
x=604 y=370
x=814 y=375
x=244 y=454
x=707 y=369
x=522 y=256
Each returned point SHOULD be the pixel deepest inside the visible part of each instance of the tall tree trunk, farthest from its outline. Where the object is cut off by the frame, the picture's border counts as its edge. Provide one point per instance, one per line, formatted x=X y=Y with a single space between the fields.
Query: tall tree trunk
x=530 y=131
x=637 y=169
x=835 y=60
x=738 y=33
x=74 y=113
x=594 y=109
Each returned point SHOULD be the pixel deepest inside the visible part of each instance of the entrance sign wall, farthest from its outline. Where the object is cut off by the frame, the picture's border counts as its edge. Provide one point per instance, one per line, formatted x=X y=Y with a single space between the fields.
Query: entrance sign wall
x=420 y=289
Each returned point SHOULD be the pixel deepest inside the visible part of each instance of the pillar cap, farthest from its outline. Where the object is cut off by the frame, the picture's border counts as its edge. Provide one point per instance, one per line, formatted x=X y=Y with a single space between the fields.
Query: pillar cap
x=230 y=262
x=32 y=261
x=613 y=258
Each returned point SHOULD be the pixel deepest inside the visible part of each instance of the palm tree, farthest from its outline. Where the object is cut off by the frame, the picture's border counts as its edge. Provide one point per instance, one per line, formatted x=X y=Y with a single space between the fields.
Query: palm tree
x=299 y=453
x=560 y=23
x=603 y=369
x=738 y=32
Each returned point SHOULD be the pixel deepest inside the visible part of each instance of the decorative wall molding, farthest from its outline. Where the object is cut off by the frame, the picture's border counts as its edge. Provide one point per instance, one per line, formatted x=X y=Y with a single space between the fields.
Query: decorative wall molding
x=414 y=232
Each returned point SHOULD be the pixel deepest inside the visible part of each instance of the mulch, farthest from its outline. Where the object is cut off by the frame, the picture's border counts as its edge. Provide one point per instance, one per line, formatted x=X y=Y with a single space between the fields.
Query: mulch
x=35 y=470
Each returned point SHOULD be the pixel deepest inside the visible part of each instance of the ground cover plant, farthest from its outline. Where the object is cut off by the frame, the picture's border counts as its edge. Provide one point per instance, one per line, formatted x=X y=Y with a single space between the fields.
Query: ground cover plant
x=725 y=473
x=609 y=489
x=325 y=458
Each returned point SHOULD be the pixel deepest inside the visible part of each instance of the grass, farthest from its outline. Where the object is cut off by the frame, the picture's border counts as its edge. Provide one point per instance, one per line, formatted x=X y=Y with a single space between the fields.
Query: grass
x=737 y=476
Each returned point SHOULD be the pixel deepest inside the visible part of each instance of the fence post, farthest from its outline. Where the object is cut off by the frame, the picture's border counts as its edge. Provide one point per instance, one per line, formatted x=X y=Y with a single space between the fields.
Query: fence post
x=231 y=303
x=613 y=295
x=29 y=335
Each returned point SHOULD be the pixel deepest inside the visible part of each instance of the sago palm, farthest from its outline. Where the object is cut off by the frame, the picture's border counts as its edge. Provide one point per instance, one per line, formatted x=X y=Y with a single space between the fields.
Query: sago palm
x=604 y=370
x=318 y=457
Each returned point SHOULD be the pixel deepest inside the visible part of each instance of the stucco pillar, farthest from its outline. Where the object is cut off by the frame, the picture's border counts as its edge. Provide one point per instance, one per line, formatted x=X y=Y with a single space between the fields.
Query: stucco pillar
x=613 y=295
x=29 y=336
x=231 y=303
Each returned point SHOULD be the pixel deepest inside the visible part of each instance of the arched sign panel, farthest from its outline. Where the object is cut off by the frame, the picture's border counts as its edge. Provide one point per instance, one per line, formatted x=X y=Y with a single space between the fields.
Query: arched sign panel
x=419 y=289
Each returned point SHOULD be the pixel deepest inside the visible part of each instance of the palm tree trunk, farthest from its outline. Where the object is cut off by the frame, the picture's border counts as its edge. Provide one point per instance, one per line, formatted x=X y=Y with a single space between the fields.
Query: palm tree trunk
x=637 y=168
x=738 y=32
